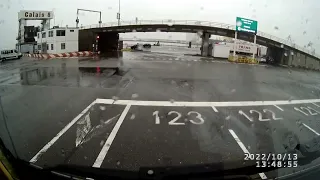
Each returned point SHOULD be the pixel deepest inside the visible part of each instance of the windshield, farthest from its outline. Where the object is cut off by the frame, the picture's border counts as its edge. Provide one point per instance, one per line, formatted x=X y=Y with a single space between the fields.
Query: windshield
x=130 y=84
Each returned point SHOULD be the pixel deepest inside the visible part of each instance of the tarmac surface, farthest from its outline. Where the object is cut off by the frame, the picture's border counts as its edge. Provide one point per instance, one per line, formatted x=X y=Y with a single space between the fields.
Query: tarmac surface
x=158 y=108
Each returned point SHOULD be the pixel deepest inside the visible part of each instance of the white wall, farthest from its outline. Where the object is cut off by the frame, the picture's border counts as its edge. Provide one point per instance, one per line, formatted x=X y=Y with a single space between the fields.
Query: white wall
x=70 y=39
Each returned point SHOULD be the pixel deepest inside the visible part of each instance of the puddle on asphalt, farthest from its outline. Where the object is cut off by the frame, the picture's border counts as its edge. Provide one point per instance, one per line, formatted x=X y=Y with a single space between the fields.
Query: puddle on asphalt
x=66 y=76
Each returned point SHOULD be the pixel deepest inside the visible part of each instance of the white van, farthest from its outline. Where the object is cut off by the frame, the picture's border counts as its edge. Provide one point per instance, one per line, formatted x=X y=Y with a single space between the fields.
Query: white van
x=10 y=54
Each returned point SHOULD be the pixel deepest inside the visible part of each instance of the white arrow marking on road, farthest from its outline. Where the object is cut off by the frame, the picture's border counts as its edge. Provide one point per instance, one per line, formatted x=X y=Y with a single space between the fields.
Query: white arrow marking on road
x=87 y=135
x=84 y=126
x=50 y=143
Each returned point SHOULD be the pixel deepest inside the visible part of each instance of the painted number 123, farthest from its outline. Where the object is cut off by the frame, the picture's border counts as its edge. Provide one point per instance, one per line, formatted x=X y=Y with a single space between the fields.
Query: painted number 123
x=176 y=120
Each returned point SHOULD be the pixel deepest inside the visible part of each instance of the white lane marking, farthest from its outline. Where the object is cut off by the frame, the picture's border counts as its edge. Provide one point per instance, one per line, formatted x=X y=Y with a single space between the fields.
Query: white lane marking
x=110 y=139
x=236 y=138
x=244 y=149
x=203 y=104
x=311 y=129
x=50 y=143
x=316 y=104
x=214 y=109
x=278 y=107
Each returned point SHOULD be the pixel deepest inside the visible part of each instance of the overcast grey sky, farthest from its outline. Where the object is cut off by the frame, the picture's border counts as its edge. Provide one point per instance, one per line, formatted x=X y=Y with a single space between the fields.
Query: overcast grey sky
x=297 y=18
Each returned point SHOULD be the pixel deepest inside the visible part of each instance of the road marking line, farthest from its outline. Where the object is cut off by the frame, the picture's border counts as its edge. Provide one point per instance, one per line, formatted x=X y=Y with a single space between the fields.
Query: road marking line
x=244 y=149
x=50 y=143
x=278 y=107
x=311 y=129
x=214 y=109
x=203 y=104
x=236 y=138
x=315 y=104
x=110 y=139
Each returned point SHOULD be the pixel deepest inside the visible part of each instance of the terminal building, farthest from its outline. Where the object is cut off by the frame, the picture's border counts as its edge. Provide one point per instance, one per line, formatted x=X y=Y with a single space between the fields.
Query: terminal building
x=58 y=40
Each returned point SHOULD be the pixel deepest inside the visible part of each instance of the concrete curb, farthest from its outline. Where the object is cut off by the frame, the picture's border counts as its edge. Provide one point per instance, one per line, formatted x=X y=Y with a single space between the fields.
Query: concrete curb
x=60 y=55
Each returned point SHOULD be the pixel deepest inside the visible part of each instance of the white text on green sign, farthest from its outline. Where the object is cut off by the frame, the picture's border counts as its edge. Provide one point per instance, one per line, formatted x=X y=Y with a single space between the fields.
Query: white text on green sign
x=246 y=25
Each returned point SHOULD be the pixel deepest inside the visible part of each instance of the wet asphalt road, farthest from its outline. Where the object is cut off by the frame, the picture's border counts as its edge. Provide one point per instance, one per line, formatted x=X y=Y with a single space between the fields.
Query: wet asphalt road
x=41 y=98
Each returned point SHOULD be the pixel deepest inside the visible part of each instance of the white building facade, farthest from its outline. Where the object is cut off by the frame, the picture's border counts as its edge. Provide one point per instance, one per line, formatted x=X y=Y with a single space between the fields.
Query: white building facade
x=58 y=40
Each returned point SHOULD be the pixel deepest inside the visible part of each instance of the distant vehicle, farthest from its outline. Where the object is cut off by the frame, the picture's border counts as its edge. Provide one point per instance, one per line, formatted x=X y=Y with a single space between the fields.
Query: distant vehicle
x=139 y=47
x=263 y=59
x=157 y=44
x=10 y=54
x=136 y=47
x=147 y=46
x=266 y=59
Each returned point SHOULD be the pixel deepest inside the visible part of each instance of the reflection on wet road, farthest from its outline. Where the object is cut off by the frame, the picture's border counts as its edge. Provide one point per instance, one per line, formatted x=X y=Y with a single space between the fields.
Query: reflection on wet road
x=136 y=109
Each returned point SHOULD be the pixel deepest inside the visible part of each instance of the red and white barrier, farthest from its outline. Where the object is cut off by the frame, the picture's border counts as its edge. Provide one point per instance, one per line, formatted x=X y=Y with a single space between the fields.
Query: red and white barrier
x=60 y=55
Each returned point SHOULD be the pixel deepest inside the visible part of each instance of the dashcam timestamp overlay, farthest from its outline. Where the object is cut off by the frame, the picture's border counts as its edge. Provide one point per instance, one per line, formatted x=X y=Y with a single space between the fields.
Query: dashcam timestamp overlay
x=273 y=159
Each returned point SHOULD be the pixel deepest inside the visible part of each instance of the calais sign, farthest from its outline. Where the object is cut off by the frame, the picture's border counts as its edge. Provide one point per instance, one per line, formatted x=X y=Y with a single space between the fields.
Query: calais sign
x=246 y=25
x=35 y=15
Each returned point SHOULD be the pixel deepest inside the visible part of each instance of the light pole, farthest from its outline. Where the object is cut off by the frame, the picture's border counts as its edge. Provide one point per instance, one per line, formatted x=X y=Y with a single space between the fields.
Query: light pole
x=118 y=15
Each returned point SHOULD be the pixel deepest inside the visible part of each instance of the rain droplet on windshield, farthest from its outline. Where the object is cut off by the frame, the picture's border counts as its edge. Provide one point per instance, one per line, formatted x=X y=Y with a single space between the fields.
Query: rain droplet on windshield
x=172 y=100
x=115 y=98
x=276 y=28
x=281 y=45
x=150 y=172
x=102 y=108
x=63 y=153
x=304 y=32
x=134 y=95
x=199 y=33
x=132 y=117
x=249 y=147
x=85 y=157
x=285 y=54
x=228 y=117
x=109 y=8
x=158 y=30
x=134 y=30
x=118 y=163
x=201 y=8
x=233 y=90
x=101 y=142
x=170 y=22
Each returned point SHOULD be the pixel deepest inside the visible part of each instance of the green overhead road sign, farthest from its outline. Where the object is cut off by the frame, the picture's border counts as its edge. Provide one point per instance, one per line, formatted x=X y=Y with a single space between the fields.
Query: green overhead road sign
x=246 y=25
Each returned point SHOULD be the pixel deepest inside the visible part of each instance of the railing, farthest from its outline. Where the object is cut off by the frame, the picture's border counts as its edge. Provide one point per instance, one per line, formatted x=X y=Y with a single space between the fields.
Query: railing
x=170 y=22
